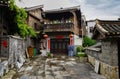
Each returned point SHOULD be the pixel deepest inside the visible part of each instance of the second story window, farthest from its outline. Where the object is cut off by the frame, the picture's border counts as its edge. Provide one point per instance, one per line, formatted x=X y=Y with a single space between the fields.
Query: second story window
x=91 y=29
x=35 y=26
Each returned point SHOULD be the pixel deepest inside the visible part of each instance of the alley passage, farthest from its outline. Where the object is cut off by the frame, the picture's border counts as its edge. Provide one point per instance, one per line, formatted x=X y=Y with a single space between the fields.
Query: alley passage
x=55 y=68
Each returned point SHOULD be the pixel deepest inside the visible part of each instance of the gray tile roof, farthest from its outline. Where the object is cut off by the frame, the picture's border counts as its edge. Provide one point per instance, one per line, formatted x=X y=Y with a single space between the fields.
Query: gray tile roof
x=75 y=8
x=108 y=27
x=34 y=7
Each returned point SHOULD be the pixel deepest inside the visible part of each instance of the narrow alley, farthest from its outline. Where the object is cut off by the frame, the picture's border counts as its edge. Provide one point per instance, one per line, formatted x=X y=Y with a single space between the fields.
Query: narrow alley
x=61 y=67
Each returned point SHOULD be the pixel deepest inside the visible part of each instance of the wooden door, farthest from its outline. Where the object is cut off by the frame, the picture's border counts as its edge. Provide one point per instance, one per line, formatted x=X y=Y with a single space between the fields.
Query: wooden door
x=59 y=46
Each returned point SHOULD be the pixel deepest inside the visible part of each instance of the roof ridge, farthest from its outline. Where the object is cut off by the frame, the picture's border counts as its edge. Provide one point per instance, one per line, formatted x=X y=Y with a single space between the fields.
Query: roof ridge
x=33 y=7
x=63 y=9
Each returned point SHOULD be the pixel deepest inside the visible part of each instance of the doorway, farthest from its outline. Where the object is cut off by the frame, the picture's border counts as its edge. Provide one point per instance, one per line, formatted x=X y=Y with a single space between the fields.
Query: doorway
x=59 y=46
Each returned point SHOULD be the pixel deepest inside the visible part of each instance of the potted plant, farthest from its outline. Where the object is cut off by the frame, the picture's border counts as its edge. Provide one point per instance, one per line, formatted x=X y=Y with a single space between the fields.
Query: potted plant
x=82 y=57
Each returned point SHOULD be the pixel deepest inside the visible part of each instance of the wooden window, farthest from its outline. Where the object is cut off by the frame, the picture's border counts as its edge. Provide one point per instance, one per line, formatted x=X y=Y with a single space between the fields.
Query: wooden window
x=35 y=25
x=91 y=29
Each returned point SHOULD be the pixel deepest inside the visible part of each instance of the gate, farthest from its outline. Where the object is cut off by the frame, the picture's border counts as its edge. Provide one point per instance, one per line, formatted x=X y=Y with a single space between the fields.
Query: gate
x=59 y=46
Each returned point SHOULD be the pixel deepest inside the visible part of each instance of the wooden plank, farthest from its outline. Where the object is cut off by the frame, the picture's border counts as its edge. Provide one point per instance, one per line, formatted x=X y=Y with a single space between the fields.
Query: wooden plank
x=97 y=66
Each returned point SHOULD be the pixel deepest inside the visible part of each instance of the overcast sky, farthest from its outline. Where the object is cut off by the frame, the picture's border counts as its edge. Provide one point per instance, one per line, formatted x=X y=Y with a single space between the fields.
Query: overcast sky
x=92 y=9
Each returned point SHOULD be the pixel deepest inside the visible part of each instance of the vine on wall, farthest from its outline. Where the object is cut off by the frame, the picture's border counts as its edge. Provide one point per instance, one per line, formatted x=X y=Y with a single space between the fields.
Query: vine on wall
x=20 y=16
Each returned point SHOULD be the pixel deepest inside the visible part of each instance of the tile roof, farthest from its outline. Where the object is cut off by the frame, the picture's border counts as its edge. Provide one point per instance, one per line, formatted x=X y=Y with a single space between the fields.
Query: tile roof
x=108 y=27
x=34 y=7
x=75 y=8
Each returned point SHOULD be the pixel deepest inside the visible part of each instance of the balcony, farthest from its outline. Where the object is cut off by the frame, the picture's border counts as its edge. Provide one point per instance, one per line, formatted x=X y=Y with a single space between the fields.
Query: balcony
x=58 y=27
x=4 y=2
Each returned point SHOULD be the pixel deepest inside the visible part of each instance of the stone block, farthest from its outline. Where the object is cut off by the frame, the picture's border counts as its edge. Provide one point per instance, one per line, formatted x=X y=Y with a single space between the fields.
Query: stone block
x=55 y=68
x=83 y=59
x=1 y=70
x=71 y=63
x=58 y=77
x=6 y=68
x=47 y=73
x=110 y=72
x=56 y=73
x=40 y=72
x=91 y=60
x=25 y=76
x=64 y=73
x=49 y=77
x=29 y=68
x=43 y=52
x=40 y=77
x=33 y=77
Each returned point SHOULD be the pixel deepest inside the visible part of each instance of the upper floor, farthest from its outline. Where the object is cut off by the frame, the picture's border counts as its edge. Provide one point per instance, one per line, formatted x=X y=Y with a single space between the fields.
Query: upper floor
x=63 y=20
x=34 y=18
x=89 y=28
x=4 y=20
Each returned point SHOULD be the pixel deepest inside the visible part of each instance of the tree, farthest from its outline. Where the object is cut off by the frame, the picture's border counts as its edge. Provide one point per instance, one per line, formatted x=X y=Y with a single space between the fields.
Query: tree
x=19 y=16
x=88 y=41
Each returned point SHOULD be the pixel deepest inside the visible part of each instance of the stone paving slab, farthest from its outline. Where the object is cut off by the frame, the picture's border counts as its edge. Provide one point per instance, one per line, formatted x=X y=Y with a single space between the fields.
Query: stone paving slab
x=49 y=77
x=56 y=68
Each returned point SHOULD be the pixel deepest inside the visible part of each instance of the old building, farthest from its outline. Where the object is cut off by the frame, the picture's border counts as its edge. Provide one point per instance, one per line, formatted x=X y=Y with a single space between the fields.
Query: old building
x=89 y=28
x=108 y=52
x=63 y=28
x=84 y=25
x=34 y=20
x=3 y=19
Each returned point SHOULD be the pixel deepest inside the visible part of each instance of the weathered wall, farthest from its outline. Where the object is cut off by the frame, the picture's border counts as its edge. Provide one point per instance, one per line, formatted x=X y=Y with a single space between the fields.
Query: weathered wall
x=34 y=21
x=110 y=72
x=36 y=18
x=90 y=24
x=76 y=26
x=77 y=40
x=3 y=21
x=37 y=13
x=108 y=58
x=109 y=52
x=13 y=48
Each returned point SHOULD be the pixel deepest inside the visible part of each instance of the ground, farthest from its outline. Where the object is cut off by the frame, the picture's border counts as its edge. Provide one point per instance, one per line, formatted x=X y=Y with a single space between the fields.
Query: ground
x=60 y=67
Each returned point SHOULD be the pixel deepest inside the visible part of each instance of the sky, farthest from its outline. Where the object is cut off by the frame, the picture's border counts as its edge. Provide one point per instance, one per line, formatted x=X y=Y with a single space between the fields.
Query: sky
x=92 y=9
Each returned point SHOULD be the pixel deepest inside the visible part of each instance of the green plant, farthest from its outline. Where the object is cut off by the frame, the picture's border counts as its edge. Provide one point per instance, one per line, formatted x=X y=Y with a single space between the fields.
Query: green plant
x=18 y=20
x=88 y=41
x=79 y=49
x=49 y=54
x=81 y=54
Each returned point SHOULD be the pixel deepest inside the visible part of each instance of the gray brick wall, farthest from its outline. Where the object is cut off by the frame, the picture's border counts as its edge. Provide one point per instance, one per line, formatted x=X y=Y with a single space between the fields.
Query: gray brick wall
x=108 y=53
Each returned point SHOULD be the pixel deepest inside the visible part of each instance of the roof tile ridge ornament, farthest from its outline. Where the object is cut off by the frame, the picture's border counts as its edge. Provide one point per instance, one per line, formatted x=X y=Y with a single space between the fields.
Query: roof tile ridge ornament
x=97 y=21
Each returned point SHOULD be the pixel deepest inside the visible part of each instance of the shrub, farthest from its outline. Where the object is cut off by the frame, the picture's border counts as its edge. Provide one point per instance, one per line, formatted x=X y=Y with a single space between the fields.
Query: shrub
x=49 y=54
x=81 y=54
x=79 y=49
x=88 y=41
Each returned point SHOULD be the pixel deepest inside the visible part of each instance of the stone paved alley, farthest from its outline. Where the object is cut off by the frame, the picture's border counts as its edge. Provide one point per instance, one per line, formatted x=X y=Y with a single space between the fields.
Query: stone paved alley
x=54 y=68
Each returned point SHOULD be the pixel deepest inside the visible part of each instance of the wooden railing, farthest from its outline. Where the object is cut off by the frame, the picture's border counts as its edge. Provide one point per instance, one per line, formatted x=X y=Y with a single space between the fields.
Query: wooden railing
x=58 y=27
x=4 y=2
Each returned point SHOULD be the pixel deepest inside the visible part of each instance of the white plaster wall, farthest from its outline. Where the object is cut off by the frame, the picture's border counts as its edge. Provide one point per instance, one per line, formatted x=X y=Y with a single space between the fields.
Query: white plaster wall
x=90 y=24
x=77 y=40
